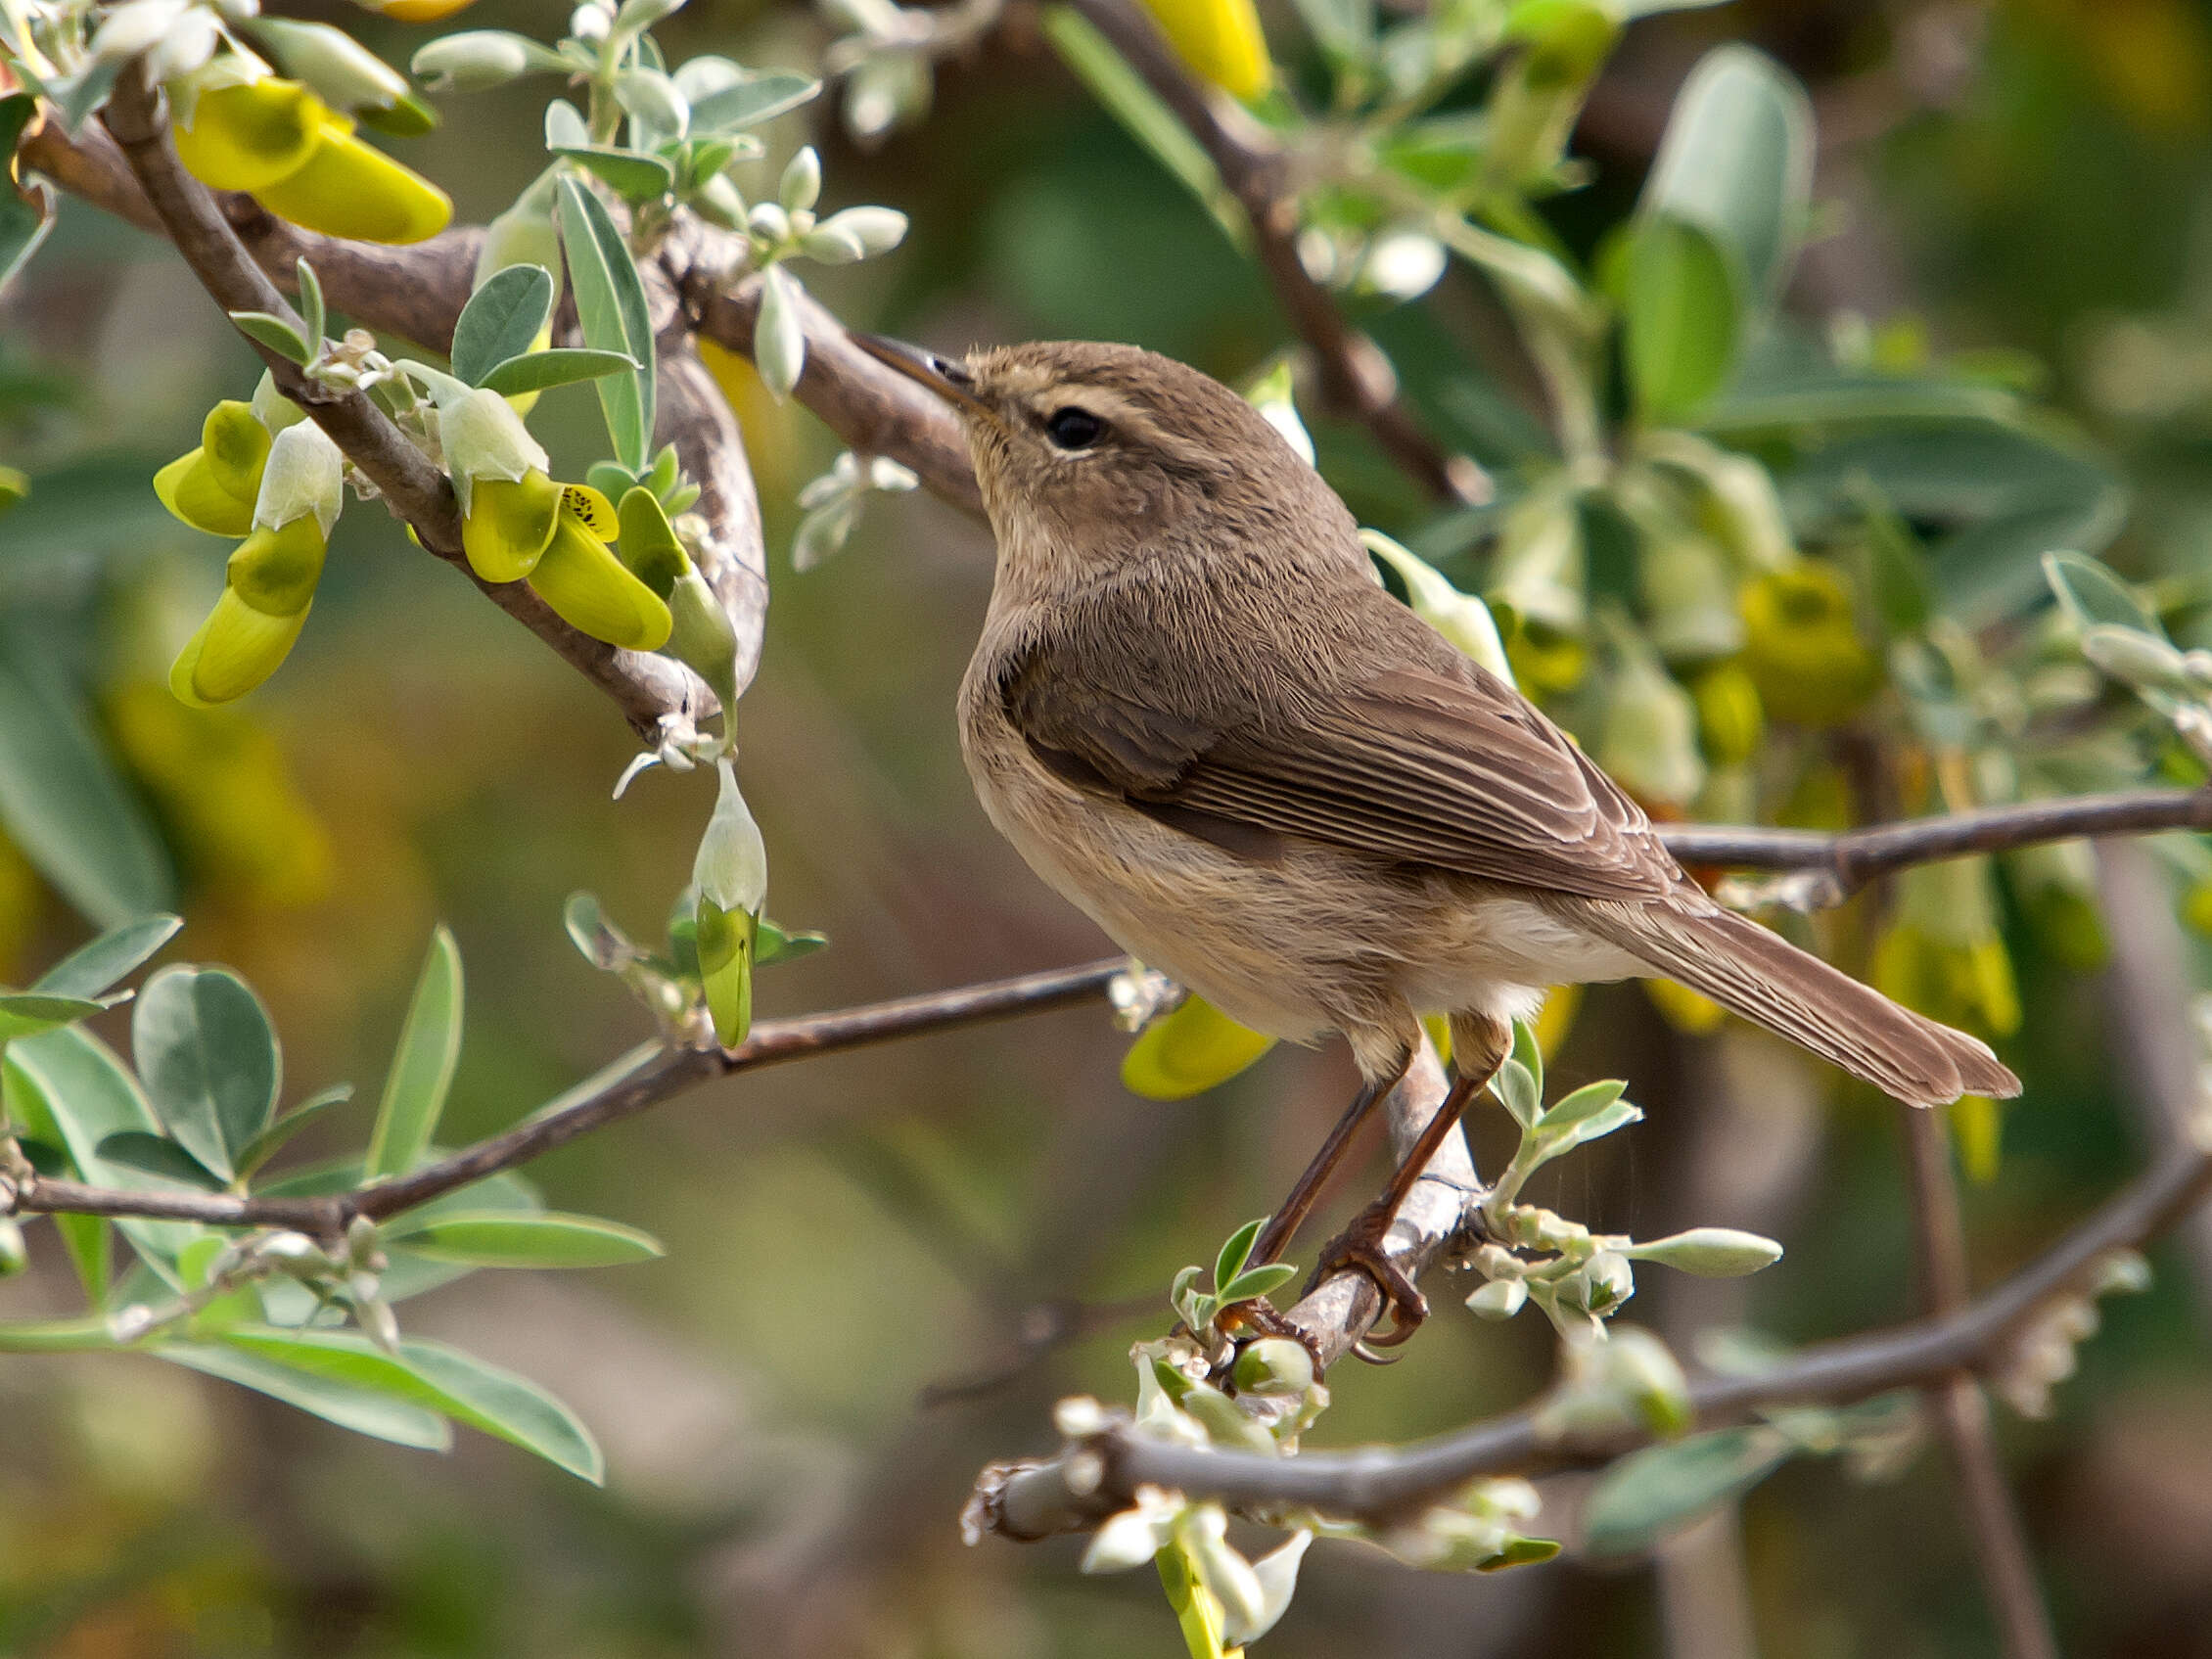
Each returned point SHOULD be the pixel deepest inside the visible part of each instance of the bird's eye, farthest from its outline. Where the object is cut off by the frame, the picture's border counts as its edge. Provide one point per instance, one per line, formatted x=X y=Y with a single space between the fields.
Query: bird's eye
x=1071 y=428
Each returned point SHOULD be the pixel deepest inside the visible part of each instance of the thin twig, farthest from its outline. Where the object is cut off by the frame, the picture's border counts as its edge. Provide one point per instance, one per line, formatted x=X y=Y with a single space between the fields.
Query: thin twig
x=1085 y=1483
x=644 y=1077
x=1356 y=378
x=1961 y=1414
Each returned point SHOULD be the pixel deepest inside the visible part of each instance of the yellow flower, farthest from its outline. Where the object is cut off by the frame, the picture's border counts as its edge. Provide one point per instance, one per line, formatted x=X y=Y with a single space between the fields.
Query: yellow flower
x=1189 y=1049
x=417 y=11
x=1801 y=647
x=301 y=161
x=587 y=586
x=352 y=189
x=509 y=524
x=247 y=135
x=1730 y=719
x=1686 y=1011
x=271 y=585
x=188 y=489
x=1219 y=39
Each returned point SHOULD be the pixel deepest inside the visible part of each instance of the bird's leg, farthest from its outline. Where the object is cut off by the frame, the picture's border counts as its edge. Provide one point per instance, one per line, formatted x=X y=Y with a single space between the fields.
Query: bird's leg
x=1282 y=1226
x=1258 y=1315
x=1360 y=1244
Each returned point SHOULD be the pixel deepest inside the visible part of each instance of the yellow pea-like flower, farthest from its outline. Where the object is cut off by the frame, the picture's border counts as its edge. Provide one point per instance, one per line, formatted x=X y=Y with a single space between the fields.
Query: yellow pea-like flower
x=725 y=943
x=236 y=446
x=509 y=524
x=1188 y=1050
x=1801 y=647
x=189 y=490
x=1731 y=719
x=1219 y=39
x=250 y=135
x=350 y=187
x=592 y=590
x=417 y=11
x=236 y=649
x=275 y=571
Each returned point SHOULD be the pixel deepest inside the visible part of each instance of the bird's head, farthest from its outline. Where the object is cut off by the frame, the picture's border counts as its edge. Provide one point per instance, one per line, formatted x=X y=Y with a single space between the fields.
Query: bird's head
x=1095 y=451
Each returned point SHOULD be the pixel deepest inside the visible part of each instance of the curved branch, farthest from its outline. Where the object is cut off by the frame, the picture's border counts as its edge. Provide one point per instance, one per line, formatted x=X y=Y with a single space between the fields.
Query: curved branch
x=1093 y=1479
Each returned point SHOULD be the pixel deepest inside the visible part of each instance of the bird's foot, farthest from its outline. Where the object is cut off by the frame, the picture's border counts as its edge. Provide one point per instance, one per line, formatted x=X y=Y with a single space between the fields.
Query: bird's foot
x=1361 y=1245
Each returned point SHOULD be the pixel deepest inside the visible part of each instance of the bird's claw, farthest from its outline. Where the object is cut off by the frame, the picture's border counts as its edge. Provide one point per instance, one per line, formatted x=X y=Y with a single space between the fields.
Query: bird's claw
x=1361 y=1245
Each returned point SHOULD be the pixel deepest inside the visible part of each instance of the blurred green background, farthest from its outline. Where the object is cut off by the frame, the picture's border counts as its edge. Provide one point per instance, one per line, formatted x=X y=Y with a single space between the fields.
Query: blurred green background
x=2027 y=177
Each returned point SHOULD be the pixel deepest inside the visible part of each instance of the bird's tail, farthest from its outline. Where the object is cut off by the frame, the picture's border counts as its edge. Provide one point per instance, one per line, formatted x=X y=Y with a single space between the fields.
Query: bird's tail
x=1755 y=972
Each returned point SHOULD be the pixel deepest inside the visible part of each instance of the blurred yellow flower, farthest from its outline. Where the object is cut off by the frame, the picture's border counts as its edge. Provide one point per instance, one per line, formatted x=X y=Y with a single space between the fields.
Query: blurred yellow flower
x=1219 y=39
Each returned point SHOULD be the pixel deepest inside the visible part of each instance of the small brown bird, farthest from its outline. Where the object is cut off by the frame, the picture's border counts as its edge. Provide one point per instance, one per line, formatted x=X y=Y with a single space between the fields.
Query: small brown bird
x=1197 y=717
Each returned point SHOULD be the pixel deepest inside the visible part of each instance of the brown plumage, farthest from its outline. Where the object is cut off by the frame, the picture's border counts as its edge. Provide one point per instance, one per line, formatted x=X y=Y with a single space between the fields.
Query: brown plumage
x=1197 y=714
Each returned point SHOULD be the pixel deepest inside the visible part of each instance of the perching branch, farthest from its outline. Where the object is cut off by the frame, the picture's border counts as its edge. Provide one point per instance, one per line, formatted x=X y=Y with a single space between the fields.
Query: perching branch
x=644 y=1077
x=1076 y=1489
x=1356 y=378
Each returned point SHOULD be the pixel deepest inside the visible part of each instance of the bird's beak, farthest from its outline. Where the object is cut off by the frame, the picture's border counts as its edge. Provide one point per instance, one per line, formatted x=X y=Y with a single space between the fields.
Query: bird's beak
x=947 y=377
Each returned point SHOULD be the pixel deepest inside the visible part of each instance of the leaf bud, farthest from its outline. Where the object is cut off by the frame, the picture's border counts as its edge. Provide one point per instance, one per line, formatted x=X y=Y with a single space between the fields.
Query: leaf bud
x=1710 y=1253
x=878 y=230
x=1274 y=1366
x=1499 y=1299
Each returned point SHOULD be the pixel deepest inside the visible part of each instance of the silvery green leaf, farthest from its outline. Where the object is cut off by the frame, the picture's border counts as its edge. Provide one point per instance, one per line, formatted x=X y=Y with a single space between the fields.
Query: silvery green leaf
x=746 y=101
x=890 y=476
x=276 y=333
x=346 y=74
x=304 y=474
x=565 y=127
x=312 y=311
x=1460 y=617
x=653 y=98
x=482 y=58
x=878 y=230
x=779 y=337
x=886 y=91
x=2134 y=657
x=1712 y=1253
x=637 y=15
x=1220 y=1569
x=1517 y=1091
x=732 y=865
x=1229 y=1262
x=801 y=185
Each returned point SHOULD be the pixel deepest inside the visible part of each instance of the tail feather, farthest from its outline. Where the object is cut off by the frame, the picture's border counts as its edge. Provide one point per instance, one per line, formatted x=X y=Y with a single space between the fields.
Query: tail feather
x=1755 y=972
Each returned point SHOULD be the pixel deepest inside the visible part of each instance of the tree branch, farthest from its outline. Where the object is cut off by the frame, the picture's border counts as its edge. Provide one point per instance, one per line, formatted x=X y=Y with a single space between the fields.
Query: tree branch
x=644 y=1077
x=1091 y=1479
x=1356 y=378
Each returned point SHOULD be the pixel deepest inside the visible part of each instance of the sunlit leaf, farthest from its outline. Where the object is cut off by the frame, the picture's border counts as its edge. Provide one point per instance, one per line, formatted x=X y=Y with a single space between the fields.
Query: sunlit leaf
x=549 y=1239
x=422 y=1066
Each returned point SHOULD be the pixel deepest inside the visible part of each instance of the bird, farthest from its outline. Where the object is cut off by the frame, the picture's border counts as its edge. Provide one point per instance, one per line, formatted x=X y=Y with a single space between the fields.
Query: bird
x=1199 y=718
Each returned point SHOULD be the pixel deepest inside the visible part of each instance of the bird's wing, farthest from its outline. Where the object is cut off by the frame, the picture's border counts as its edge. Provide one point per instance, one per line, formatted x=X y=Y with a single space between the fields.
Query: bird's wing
x=1441 y=766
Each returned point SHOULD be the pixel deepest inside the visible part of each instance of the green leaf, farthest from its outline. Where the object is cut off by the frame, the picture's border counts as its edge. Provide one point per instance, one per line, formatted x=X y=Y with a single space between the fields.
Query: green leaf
x=502 y=320
x=312 y=312
x=1256 y=1282
x=210 y=1060
x=2091 y=594
x=778 y=946
x=27 y=1013
x=162 y=1158
x=262 y=1147
x=364 y=1410
x=421 y=1067
x=611 y=310
x=1590 y=1113
x=1234 y=1250
x=751 y=100
x=488 y=1239
x=1737 y=161
x=633 y=175
x=441 y=1379
x=536 y=371
x=274 y=331
x=62 y=802
x=26 y=212
x=1681 y=314
x=1649 y=1492
x=69 y=1089
x=91 y=969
